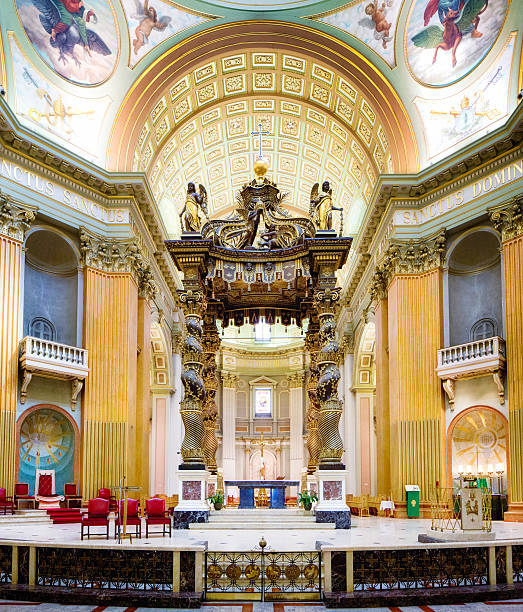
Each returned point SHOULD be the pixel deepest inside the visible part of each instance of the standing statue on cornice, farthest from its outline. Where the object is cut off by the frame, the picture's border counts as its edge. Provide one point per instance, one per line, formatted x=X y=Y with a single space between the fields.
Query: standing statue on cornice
x=321 y=207
x=190 y=217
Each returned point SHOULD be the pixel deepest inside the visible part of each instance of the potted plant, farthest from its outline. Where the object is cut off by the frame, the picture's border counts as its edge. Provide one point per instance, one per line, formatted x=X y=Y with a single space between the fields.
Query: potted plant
x=217 y=500
x=306 y=499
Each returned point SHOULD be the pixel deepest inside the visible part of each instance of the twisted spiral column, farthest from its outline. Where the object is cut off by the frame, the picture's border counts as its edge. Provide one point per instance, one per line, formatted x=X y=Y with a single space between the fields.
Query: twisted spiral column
x=193 y=304
x=313 y=439
x=328 y=377
x=211 y=345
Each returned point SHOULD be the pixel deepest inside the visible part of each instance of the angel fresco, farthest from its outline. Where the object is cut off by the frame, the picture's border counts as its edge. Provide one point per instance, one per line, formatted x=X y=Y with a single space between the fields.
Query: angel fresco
x=149 y=21
x=446 y=39
x=458 y=17
x=76 y=37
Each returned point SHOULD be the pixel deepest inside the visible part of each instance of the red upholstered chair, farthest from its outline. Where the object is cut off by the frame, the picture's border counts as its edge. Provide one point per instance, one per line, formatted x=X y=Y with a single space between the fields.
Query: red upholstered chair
x=133 y=517
x=155 y=514
x=22 y=494
x=97 y=515
x=71 y=494
x=106 y=494
x=6 y=503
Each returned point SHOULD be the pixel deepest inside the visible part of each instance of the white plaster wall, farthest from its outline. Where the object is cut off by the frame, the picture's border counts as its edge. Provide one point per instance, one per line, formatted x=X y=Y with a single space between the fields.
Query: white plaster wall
x=350 y=457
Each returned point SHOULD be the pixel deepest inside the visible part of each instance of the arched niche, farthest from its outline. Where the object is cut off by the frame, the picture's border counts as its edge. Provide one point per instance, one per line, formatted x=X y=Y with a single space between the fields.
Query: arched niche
x=476 y=439
x=52 y=287
x=270 y=462
x=50 y=431
x=474 y=287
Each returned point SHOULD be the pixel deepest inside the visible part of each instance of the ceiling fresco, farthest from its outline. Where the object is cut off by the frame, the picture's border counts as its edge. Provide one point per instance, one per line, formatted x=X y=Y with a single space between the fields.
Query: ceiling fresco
x=346 y=89
x=374 y=23
x=80 y=45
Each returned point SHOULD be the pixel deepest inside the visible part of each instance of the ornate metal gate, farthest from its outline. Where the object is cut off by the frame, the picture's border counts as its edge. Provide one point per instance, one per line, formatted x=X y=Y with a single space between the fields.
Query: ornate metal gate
x=263 y=576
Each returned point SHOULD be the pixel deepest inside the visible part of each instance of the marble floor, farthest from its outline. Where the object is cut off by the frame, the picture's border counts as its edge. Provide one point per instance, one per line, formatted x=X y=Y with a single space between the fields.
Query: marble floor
x=489 y=606
x=371 y=532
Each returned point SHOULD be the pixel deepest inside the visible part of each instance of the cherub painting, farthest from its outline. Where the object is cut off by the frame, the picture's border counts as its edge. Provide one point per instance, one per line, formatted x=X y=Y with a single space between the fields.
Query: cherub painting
x=152 y=21
x=446 y=39
x=372 y=21
x=149 y=21
x=77 y=38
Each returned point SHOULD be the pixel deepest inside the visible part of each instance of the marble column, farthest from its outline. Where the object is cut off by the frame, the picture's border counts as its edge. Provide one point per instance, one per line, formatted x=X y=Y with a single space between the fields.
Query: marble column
x=229 y=386
x=296 y=384
x=14 y=222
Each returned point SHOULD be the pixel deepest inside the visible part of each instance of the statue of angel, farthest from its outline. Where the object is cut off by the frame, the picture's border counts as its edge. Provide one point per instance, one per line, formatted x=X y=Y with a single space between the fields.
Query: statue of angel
x=321 y=206
x=190 y=216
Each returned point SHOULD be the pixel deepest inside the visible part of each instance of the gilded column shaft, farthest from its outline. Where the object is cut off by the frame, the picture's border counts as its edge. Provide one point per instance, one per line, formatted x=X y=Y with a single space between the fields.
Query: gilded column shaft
x=14 y=221
x=313 y=438
x=509 y=221
x=194 y=388
x=211 y=345
x=328 y=378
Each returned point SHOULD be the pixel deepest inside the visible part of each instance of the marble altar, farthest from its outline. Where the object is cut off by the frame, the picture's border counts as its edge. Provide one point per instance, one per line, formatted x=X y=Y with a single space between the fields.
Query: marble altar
x=247 y=487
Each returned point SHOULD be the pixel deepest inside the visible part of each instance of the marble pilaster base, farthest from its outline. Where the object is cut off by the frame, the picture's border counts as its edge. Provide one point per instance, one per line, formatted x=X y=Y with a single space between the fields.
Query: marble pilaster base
x=340 y=517
x=192 y=490
x=183 y=518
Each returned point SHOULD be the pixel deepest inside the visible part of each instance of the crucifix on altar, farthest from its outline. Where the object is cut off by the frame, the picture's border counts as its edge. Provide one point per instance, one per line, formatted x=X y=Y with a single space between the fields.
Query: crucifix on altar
x=261 y=443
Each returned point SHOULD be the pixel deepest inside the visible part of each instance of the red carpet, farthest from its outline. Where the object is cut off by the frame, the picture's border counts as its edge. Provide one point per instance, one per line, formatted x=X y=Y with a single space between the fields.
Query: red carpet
x=61 y=516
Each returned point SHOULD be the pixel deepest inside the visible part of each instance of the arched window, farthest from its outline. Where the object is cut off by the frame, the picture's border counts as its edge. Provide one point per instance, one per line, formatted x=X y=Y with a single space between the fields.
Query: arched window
x=484 y=328
x=42 y=328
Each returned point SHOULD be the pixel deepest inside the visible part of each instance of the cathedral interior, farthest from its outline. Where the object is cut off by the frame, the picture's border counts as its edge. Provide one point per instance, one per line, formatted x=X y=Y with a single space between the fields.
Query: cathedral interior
x=261 y=288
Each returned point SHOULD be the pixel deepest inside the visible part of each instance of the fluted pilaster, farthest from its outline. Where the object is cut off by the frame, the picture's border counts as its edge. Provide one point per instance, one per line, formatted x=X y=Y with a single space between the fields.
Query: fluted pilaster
x=509 y=221
x=14 y=222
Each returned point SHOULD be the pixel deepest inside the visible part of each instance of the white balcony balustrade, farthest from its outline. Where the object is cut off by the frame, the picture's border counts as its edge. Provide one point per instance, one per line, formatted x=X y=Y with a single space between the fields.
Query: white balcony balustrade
x=477 y=358
x=55 y=360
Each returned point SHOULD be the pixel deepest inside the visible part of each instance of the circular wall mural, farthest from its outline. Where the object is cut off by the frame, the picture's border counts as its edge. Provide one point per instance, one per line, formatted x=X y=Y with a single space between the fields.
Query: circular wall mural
x=446 y=39
x=479 y=440
x=78 y=39
x=46 y=441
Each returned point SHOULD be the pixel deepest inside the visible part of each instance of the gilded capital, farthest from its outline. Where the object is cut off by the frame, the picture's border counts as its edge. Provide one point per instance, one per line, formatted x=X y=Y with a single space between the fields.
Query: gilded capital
x=296 y=380
x=120 y=256
x=347 y=343
x=407 y=258
x=14 y=220
x=230 y=380
x=326 y=300
x=508 y=220
x=193 y=302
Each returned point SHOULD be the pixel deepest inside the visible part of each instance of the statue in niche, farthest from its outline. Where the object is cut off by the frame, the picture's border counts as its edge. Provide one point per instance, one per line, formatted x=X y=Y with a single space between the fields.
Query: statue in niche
x=190 y=216
x=321 y=207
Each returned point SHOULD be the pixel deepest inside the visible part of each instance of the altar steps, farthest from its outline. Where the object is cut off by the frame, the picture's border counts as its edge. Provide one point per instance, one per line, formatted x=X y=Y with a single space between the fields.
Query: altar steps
x=25 y=516
x=262 y=518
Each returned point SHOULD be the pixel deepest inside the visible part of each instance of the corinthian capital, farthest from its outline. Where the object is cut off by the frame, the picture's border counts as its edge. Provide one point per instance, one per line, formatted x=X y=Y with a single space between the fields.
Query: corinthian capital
x=509 y=220
x=407 y=258
x=230 y=380
x=14 y=220
x=296 y=380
